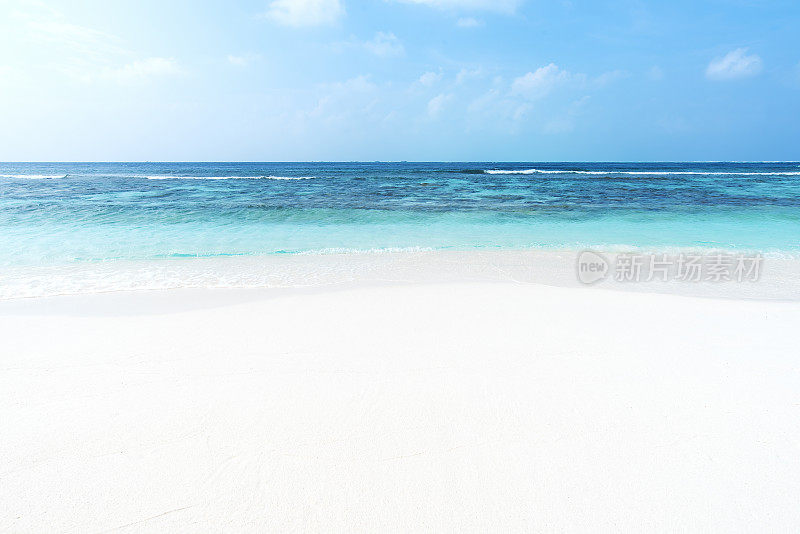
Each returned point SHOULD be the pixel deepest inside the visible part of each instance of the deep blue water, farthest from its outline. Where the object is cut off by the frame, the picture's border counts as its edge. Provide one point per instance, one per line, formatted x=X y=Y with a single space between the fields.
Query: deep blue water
x=55 y=213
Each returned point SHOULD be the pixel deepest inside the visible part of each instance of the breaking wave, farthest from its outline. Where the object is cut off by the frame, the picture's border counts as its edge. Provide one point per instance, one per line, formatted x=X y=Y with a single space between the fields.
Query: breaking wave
x=33 y=176
x=171 y=177
x=639 y=173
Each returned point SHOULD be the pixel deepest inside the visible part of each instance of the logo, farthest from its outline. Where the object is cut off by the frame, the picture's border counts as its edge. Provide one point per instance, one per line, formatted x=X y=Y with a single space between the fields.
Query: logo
x=592 y=267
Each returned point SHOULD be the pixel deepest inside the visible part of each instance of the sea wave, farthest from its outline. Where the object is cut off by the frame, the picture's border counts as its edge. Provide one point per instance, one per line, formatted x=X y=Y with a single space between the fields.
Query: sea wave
x=375 y=250
x=33 y=176
x=156 y=177
x=171 y=177
x=639 y=173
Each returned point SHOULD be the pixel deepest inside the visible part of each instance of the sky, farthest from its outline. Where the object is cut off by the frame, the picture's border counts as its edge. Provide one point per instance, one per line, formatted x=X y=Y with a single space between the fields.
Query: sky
x=417 y=80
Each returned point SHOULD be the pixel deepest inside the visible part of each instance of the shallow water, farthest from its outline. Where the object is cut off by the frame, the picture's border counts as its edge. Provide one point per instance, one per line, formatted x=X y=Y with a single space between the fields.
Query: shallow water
x=68 y=215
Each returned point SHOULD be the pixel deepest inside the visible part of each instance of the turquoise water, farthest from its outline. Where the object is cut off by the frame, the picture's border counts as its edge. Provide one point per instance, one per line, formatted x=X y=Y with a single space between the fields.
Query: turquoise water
x=74 y=213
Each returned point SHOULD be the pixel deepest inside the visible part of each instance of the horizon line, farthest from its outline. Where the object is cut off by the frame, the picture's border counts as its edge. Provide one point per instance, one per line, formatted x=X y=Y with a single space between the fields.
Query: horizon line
x=398 y=161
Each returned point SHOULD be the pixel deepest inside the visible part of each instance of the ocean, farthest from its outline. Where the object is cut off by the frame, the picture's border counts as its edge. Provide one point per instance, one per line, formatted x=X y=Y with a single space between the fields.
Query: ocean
x=62 y=217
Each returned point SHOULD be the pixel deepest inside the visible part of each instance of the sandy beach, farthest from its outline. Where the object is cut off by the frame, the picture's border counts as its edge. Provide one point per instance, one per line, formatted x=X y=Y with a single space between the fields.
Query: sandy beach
x=469 y=406
x=399 y=266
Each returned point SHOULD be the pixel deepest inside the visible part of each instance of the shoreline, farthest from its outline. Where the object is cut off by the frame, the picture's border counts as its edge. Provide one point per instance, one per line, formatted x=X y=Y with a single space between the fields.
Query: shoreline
x=778 y=276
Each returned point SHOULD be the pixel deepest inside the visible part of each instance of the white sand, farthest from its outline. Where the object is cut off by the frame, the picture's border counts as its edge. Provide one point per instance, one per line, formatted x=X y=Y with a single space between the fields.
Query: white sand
x=463 y=407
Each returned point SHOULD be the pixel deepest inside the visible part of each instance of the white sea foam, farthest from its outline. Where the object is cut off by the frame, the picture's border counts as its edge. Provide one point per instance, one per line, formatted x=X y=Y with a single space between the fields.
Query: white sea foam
x=327 y=267
x=159 y=177
x=310 y=268
x=170 y=177
x=522 y=171
x=33 y=176
x=344 y=250
x=640 y=173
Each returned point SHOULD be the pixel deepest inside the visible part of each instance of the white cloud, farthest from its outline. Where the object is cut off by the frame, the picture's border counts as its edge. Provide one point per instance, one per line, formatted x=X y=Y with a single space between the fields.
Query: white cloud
x=735 y=64
x=542 y=81
x=566 y=122
x=468 y=74
x=511 y=106
x=71 y=37
x=500 y=6
x=82 y=53
x=77 y=51
x=142 y=70
x=609 y=77
x=436 y=104
x=359 y=84
x=468 y=22
x=429 y=78
x=521 y=111
x=243 y=60
x=385 y=45
x=340 y=101
x=239 y=61
x=299 y=13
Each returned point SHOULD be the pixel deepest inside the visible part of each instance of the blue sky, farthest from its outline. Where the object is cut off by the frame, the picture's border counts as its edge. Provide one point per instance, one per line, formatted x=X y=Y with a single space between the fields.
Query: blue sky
x=289 y=80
